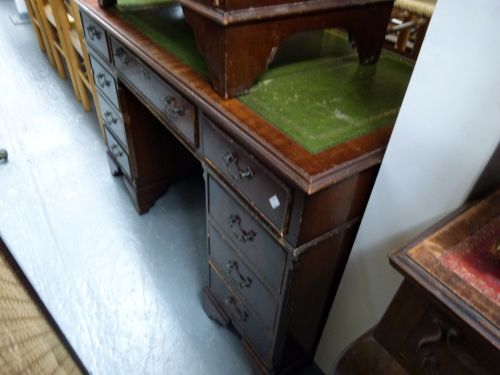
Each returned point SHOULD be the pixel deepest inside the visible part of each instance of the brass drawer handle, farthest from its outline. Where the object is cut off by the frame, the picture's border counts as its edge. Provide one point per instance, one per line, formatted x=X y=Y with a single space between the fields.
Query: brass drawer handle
x=118 y=154
x=93 y=33
x=174 y=108
x=236 y=314
x=232 y=267
x=122 y=56
x=231 y=158
x=109 y=119
x=103 y=81
x=239 y=233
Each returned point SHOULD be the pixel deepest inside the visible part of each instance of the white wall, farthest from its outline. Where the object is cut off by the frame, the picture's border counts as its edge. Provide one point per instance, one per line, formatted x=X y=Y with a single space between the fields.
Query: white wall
x=447 y=129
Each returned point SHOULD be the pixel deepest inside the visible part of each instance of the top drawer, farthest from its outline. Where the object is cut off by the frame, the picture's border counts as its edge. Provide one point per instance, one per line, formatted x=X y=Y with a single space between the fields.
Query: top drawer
x=260 y=186
x=177 y=110
x=95 y=36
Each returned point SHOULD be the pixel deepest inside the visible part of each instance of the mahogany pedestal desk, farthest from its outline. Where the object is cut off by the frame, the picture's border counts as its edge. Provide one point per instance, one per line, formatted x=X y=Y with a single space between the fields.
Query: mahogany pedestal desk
x=283 y=205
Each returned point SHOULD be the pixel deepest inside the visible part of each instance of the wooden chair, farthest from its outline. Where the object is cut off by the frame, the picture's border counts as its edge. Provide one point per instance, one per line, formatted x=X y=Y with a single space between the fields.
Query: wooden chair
x=409 y=22
x=57 y=42
x=78 y=42
x=70 y=33
x=41 y=37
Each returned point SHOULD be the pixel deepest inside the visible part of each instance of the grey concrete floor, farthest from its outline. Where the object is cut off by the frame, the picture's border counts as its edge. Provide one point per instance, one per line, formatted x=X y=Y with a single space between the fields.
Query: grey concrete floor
x=125 y=289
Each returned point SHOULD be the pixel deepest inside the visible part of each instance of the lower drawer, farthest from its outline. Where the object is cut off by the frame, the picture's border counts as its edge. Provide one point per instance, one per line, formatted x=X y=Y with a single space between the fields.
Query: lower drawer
x=118 y=153
x=248 y=325
x=242 y=278
x=112 y=120
x=249 y=237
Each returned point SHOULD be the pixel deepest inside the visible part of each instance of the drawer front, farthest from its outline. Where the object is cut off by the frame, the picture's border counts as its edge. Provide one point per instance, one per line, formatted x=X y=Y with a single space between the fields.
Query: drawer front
x=112 y=120
x=242 y=318
x=104 y=81
x=172 y=106
x=262 y=188
x=95 y=36
x=253 y=243
x=242 y=278
x=118 y=153
x=439 y=345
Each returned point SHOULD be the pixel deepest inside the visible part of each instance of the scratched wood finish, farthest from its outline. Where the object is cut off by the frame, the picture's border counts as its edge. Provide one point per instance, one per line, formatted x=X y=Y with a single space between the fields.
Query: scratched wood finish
x=238 y=40
x=310 y=172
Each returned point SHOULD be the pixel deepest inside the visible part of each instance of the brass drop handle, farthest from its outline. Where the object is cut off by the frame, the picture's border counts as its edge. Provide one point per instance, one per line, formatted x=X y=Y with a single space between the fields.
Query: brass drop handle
x=109 y=118
x=237 y=314
x=93 y=33
x=103 y=81
x=122 y=55
x=174 y=108
x=232 y=267
x=231 y=159
x=239 y=233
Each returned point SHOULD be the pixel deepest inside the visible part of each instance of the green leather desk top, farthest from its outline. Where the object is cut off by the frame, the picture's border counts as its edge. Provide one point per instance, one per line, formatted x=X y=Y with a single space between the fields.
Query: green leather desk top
x=315 y=91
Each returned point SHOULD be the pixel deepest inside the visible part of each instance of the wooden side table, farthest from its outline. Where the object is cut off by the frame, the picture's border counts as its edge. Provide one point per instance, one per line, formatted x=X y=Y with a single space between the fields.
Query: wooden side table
x=445 y=317
x=238 y=39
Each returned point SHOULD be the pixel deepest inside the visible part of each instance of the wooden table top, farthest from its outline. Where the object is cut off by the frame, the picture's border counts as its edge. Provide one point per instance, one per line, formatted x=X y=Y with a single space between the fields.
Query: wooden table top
x=311 y=168
x=456 y=261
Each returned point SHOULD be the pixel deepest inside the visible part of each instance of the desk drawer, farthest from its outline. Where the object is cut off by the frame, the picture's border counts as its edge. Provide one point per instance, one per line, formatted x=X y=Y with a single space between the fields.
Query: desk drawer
x=171 y=105
x=260 y=186
x=252 y=241
x=112 y=120
x=104 y=81
x=241 y=316
x=118 y=153
x=437 y=344
x=242 y=278
x=95 y=36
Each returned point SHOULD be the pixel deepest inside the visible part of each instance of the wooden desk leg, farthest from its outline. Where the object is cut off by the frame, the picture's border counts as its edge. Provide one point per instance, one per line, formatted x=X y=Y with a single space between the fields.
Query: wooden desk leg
x=149 y=152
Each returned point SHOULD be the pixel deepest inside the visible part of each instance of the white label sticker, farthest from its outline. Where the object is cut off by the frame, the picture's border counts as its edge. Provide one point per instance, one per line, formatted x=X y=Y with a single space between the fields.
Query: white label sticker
x=274 y=201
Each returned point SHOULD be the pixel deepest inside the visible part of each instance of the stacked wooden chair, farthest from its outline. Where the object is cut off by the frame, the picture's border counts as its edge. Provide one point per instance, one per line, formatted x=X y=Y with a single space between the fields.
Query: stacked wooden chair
x=41 y=36
x=58 y=29
x=409 y=22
